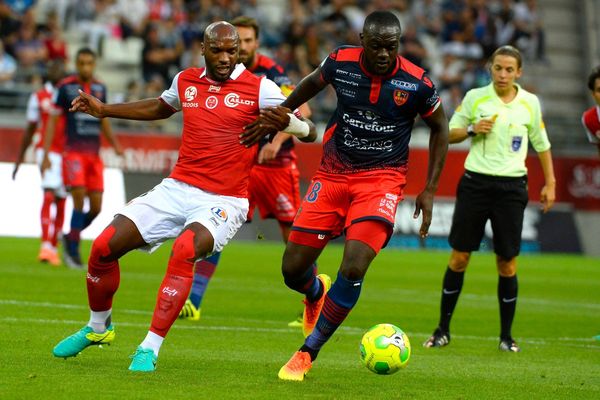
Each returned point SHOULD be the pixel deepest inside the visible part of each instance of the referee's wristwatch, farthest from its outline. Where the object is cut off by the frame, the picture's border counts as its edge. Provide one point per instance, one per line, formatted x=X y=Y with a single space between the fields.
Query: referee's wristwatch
x=471 y=131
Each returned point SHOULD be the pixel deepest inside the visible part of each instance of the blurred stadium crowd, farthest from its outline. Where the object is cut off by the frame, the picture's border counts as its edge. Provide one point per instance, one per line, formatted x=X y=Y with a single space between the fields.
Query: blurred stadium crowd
x=450 y=38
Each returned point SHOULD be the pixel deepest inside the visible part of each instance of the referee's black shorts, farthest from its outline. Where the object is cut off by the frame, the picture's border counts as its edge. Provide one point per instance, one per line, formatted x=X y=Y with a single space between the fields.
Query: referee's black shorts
x=480 y=197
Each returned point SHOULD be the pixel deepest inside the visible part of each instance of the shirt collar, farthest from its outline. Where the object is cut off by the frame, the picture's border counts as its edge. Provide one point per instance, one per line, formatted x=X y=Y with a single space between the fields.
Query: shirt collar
x=493 y=92
x=237 y=71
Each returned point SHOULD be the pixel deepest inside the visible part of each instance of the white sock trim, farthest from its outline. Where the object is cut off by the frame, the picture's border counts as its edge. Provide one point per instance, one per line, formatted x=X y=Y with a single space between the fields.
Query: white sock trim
x=98 y=320
x=152 y=341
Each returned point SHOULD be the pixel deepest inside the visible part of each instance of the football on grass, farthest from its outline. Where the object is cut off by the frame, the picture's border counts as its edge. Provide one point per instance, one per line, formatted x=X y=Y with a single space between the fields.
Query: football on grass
x=384 y=349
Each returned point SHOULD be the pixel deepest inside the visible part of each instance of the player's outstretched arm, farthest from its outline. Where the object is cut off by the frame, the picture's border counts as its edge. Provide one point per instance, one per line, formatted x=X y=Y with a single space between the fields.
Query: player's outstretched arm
x=143 y=110
x=306 y=90
x=438 y=147
x=278 y=119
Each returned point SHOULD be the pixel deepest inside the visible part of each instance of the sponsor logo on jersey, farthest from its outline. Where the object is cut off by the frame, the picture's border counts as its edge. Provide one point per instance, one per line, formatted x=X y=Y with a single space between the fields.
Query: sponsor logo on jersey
x=190 y=93
x=516 y=143
x=219 y=213
x=347 y=82
x=370 y=125
x=411 y=87
x=352 y=75
x=400 y=97
x=214 y=89
x=211 y=102
x=233 y=100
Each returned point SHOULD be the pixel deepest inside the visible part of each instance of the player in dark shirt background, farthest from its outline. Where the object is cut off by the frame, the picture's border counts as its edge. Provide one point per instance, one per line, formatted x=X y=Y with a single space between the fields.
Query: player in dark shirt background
x=82 y=166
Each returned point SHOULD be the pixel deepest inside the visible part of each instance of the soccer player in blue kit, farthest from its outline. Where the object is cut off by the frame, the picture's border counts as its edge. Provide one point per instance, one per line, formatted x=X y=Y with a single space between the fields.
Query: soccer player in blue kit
x=362 y=174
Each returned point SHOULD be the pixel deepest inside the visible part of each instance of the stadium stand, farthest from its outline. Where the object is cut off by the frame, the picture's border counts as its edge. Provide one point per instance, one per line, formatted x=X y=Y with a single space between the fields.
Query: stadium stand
x=143 y=43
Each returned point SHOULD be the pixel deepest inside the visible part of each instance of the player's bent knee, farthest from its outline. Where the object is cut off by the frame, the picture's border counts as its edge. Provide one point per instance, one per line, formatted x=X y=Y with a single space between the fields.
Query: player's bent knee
x=101 y=251
x=183 y=255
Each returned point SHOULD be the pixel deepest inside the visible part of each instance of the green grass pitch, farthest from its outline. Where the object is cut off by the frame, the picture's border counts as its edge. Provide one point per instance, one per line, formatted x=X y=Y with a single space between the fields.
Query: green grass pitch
x=237 y=348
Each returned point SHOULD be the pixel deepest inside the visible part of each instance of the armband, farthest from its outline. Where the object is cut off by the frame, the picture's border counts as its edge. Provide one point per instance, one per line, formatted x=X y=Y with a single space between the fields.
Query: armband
x=297 y=127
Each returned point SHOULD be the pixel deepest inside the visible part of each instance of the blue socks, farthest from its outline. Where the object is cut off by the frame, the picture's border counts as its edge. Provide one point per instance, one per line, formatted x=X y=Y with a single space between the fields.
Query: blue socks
x=203 y=272
x=339 y=301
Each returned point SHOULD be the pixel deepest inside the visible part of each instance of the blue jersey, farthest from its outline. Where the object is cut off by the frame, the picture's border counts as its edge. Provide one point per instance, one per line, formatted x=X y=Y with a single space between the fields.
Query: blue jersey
x=372 y=124
x=82 y=131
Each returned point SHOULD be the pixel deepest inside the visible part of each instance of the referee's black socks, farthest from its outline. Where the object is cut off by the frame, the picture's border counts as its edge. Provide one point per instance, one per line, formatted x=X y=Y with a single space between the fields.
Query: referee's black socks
x=507 y=297
x=451 y=288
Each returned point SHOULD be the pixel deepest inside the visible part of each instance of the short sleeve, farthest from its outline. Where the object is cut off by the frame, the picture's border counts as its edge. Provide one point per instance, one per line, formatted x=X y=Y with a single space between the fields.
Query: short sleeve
x=270 y=94
x=33 y=108
x=462 y=116
x=537 y=132
x=430 y=99
x=591 y=122
x=328 y=66
x=59 y=99
x=171 y=95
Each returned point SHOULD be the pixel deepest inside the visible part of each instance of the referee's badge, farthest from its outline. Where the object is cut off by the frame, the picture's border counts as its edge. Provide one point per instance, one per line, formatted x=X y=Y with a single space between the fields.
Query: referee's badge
x=400 y=97
x=516 y=143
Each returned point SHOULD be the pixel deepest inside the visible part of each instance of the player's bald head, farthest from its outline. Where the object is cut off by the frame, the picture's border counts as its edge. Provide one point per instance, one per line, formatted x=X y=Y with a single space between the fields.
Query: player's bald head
x=379 y=22
x=220 y=30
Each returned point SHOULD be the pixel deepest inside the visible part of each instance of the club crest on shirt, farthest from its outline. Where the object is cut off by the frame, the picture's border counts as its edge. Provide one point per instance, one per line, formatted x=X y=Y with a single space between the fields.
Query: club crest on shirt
x=190 y=93
x=516 y=143
x=211 y=102
x=219 y=213
x=400 y=97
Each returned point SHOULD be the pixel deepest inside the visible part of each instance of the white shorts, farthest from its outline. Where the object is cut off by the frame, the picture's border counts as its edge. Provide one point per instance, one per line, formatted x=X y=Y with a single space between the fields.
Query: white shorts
x=164 y=211
x=52 y=178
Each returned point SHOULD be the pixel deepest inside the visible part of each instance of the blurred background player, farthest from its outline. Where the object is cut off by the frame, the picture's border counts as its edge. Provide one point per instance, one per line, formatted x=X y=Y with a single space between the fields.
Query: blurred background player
x=362 y=174
x=274 y=185
x=500 y=119
x=82 y=165
x=591 y=117
x=201 y=204
x=39 y=108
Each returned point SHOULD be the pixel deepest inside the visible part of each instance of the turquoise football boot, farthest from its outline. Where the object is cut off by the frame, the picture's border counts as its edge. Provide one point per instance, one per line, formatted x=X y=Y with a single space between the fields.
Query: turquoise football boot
x=143 y=360
x=74 y=344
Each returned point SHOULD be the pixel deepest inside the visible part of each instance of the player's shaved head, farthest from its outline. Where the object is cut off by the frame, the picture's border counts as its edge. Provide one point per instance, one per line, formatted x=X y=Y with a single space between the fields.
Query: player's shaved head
x=220 y=47
x=379 y=21
x=220 y=30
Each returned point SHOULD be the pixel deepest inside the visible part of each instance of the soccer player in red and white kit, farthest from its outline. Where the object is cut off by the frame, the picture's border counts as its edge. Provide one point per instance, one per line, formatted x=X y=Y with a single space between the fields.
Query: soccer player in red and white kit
x=591 y=117
x=362 y=174
x=39 y=108
x=274 y=185
x=82 y=167
x=202 y=203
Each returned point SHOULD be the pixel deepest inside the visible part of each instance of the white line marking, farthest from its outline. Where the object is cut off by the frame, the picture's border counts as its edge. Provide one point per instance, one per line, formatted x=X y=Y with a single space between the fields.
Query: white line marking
x=579 y=342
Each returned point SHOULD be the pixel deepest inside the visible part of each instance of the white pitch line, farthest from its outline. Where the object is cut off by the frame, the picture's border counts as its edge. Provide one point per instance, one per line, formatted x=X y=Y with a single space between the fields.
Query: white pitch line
x=580 y=342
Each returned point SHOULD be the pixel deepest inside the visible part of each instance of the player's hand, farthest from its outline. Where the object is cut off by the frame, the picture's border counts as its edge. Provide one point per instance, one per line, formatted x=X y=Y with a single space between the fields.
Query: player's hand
x=484 y=126
x=14 y=174
x=45 y=164
x=119 y=151
x=268 y=152
x=424 y=203
x=547 y=197
x=88 y=104
x=269 y=122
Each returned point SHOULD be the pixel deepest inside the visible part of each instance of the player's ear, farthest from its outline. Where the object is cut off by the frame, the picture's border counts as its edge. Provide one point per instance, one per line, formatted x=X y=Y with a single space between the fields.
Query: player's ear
x=202 y=48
